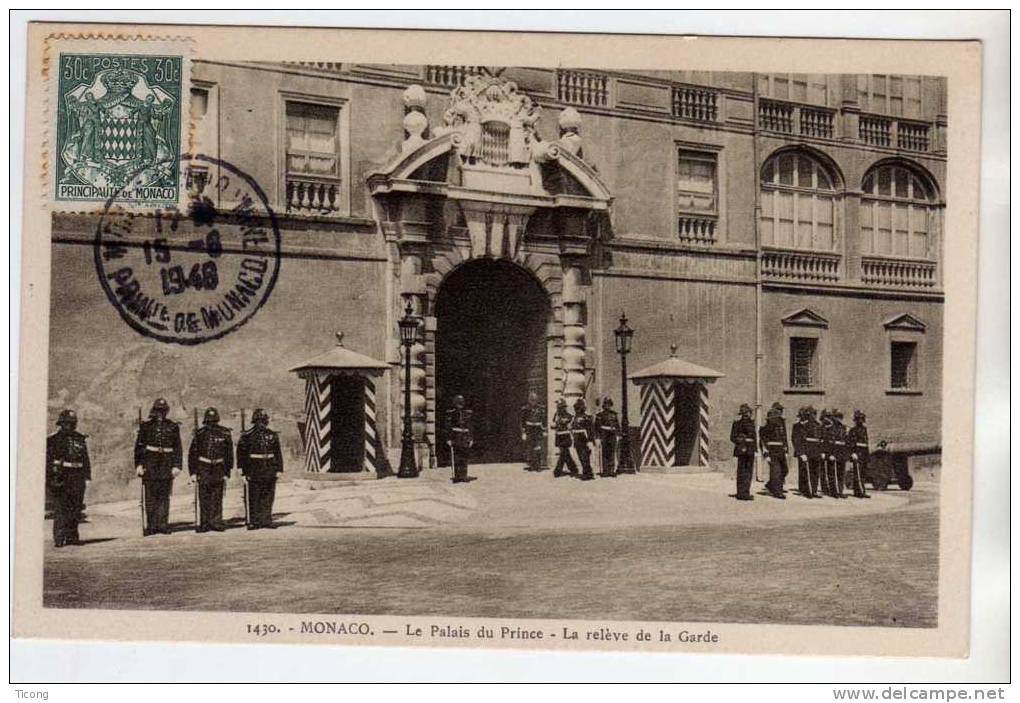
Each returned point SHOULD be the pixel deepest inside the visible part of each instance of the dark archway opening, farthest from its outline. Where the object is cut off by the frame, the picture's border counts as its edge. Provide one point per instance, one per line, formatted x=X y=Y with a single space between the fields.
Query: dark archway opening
x=491 y=323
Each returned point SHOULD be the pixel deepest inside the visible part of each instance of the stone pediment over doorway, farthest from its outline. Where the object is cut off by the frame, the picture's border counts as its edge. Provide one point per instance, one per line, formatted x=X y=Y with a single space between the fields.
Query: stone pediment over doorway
x=485 y=169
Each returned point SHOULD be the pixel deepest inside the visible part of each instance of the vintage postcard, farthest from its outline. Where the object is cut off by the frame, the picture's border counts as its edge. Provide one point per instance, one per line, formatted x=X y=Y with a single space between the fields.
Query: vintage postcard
x=536 y=341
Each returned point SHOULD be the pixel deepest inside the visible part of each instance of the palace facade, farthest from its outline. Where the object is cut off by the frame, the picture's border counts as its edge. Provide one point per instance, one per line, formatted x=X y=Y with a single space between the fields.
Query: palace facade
x=782 y=230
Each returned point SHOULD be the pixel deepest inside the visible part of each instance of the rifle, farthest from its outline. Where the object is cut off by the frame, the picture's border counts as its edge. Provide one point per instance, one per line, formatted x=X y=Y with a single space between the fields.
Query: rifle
x=141 y=501
x=197 y=504
x=244 y=482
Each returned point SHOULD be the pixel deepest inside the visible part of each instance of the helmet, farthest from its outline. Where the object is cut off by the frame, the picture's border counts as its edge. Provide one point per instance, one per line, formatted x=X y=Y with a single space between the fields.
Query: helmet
x=211 y=416
x=826 y=414
x=745 y=408
x=579 y=404
x=778 y=407
x=607 y=402
x=859 y=415
x=838 y=414
x=67 y=417
x=561 y=403
x=259 y=416
x=810 y=410
x=458 y=401
x=160 y=406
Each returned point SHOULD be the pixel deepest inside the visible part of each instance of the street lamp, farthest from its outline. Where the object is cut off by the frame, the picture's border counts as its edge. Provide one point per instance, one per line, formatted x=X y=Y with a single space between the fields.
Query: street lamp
x=408 y=325
x=624 y=335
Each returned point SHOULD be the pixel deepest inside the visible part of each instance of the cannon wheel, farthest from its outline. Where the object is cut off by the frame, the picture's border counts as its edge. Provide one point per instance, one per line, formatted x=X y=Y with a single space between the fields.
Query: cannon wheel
x=904 y=479
x=879 y=475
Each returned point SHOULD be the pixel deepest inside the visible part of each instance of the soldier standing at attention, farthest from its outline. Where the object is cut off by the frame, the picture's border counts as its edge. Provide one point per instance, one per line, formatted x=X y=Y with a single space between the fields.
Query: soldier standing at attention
x=857 y=442
x=533 y=433
x=68 y=470
x=800 y=436
x=459 y=438
x=158 y=462
x=210 y=459
x=607 y=429
x=825 y=445
x=813 y=451
x=260 y=459
x=744 y=438
x=582 y=427
x=774 y=446
x=561 y=426
x=840 y=452
x=777 y=408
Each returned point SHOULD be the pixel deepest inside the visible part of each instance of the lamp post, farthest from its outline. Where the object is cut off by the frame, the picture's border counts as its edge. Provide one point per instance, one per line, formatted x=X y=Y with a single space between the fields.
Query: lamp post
x=624 y=334
x=408 y=325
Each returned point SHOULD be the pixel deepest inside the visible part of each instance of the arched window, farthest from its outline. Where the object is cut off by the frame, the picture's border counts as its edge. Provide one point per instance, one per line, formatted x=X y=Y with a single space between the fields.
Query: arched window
x=797 y=203
x=897 y=212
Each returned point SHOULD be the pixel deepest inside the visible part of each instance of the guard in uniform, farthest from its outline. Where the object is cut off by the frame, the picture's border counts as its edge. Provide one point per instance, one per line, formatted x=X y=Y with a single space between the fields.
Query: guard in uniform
x=840 y=452
x=561 y=423
x=799 y=436
x=777 y=408
x=533 y=433
x=774 y=446
x=607 y=429
x=158 y=462
x=857 y=442
x=813 y=451
x=68 y=470
x=744 y=438
x=459 y=438
x=582 y=427
x=259 y=458
x=210 y=459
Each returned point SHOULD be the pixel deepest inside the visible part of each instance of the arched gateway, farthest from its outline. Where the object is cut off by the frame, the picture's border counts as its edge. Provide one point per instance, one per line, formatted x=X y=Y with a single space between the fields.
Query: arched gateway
x=493 y=233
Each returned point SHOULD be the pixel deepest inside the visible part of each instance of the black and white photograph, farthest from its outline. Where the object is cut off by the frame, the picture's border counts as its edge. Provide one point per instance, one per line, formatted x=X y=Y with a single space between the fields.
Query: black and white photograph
x=531 y=354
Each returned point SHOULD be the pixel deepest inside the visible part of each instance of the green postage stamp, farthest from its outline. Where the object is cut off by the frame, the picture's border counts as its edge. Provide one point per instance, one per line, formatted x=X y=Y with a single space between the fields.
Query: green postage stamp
x=118 y=128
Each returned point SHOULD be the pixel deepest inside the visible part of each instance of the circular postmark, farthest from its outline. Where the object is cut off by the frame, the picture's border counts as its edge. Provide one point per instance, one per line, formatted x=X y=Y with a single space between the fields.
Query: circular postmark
x=193 y=274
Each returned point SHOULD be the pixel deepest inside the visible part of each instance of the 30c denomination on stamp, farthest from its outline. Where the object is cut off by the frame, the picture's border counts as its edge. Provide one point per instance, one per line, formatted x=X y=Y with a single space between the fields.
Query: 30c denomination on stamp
x=191 y=275
x=118 y=128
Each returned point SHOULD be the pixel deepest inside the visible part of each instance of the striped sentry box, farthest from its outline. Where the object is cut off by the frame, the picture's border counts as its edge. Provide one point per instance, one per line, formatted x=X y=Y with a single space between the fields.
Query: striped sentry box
x=658 y=424
x=318 y=407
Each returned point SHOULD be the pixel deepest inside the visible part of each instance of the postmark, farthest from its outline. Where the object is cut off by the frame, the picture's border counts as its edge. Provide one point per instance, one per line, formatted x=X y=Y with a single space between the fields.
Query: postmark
x=193 y=274
x=118 y=127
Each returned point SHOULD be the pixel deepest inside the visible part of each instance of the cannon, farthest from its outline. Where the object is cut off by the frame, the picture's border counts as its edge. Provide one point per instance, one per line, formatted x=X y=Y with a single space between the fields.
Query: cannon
x=889 y=463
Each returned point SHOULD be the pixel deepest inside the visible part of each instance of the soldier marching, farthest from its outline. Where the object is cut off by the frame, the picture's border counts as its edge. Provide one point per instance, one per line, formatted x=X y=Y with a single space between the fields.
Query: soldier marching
x=533 y=433
x=607 y=430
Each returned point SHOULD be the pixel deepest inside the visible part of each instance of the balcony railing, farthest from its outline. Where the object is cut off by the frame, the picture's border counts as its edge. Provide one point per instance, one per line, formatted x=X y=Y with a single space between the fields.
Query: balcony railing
x=889 y=131
x=800 y=265
x=912 y=136
x=698 y=104
x=793 y=118
x=450 y=76
x=313 y=195
x=899 y=273
x=696 y=229
x=583 y=88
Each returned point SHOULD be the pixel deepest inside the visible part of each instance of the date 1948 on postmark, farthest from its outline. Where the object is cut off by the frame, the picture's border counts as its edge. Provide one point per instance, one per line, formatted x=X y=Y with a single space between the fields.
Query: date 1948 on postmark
x=118 y=128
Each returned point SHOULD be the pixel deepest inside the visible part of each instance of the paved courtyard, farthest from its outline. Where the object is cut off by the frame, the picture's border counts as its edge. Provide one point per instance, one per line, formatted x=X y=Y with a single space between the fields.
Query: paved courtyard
x=519 y=544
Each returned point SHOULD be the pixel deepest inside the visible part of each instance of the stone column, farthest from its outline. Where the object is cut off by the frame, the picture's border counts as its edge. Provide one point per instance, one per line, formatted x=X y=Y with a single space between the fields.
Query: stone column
x=852 y=235
x=575 y=320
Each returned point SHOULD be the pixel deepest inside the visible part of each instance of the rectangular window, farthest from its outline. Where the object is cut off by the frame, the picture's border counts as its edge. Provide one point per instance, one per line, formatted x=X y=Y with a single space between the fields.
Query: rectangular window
x=890 y=94
x=312 y=143
x=696 y=181
x=903 y=365
x=795 y=87
x=803 y=362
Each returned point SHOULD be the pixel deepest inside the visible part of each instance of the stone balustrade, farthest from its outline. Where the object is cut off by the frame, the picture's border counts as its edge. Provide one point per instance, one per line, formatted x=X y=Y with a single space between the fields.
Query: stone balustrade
x=692 y=103
x=696 y=229
x=912 y=136
x=794 y=118
x=449 y=76
x=808 y=266
x=313 y=195
x=582 y=88
x=898 y=273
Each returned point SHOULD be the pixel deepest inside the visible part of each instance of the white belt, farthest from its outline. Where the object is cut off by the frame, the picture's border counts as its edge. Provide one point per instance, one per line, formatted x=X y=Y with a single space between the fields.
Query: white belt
x=533 y=424
x=261 y=456
x=206 y=460
x=603 y=427
x=774 y=444
x=459 y=429
x=837 y=442
x=811 y=439
x=70 y=464
x=160 y=450
x=861 y=444
x=562 y=431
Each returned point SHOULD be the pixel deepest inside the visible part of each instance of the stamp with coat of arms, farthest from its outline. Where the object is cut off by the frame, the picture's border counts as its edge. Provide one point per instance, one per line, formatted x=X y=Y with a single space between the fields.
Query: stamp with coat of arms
x=118 y=128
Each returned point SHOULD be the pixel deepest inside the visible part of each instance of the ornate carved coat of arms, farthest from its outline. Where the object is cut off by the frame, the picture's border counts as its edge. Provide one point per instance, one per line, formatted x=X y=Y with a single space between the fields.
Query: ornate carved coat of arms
x=119 y=130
